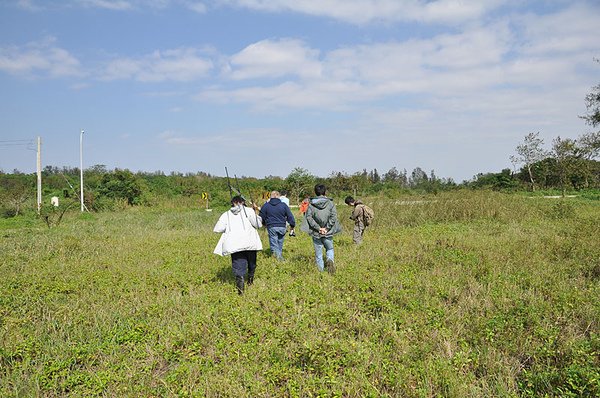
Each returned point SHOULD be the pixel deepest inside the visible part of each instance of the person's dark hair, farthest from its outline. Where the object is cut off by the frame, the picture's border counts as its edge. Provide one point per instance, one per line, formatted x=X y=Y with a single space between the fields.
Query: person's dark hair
x=283 y=192
x=237 y=200
x=349 y=200
x=320 y=190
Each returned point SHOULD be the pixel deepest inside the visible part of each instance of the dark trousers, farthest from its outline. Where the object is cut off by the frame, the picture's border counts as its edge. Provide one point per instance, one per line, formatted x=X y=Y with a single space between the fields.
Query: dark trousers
x=242 y=262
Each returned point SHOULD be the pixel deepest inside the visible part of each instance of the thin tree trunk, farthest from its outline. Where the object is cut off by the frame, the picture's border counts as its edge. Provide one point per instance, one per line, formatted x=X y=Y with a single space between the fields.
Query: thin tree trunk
x=531 y=177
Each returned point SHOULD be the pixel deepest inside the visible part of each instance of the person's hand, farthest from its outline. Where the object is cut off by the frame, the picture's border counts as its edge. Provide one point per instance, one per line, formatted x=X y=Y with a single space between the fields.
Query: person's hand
x=323 y=231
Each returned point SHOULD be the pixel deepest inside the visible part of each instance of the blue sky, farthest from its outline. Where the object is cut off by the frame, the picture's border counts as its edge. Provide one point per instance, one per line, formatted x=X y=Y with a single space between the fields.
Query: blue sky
x=263 y=86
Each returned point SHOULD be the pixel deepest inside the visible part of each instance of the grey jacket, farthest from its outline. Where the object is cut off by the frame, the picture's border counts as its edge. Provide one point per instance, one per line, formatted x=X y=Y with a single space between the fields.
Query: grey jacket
x=321 y=213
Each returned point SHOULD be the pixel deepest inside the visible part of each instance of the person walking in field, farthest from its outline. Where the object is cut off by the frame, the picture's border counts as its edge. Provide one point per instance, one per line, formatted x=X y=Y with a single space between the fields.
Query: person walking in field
x=362 y=215
x=304 y=205
x=321 y=223
x=239 y=239
x=276 y=215
x=283 y=197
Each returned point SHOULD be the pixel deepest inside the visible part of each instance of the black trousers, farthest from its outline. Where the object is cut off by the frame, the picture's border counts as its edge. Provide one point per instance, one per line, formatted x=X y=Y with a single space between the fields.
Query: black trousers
x=243 y=262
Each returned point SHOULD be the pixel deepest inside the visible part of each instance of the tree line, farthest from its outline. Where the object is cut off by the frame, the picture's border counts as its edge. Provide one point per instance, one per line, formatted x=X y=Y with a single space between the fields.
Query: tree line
x=568 y=164
x=106 y=189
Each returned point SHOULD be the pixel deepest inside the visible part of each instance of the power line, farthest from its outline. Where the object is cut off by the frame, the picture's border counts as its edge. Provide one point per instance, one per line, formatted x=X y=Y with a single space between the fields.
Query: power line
x=29 y=144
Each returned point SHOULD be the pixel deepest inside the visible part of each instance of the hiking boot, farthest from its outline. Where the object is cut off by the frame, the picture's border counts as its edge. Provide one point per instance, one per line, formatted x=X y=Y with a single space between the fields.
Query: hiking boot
x=330 y=266
x=239 y=284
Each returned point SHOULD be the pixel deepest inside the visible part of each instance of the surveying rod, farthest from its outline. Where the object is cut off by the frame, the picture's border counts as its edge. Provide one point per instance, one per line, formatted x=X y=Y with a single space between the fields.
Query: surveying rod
x=229 y=184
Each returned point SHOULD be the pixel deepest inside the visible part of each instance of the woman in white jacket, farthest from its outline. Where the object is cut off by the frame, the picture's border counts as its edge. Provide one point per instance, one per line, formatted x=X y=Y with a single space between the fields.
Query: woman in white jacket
x=240 y=239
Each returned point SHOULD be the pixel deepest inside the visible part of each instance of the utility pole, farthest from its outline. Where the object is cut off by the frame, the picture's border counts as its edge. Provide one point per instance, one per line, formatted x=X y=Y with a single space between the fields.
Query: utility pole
x=81 y=168
x=39 y=174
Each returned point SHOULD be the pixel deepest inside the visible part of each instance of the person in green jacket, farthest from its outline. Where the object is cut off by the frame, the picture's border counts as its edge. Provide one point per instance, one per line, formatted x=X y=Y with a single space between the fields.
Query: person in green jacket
x=321 y=223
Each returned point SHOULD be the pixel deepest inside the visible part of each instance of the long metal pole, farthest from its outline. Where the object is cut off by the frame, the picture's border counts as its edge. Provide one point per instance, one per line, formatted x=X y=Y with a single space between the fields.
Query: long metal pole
x=39 y=174
x=81 y=168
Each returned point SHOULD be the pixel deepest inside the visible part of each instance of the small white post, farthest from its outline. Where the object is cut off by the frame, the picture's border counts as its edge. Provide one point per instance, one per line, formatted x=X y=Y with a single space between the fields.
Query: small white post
x=39 y=175
x=81 y=168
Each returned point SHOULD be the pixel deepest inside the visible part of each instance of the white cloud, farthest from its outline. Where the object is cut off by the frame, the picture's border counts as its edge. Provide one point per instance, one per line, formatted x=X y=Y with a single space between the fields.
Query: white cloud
x=274 y=59
x=28 y=5
x=445 y=64
x=265 y=138
x=475 y=47
x=355 y=11
x=370 y=11
x=116 y=5
x=113 y=5
x=476 y=58
x=37 y=59
x=196 y=6
x=574 y=29
x=171 y=65
x=287 y=94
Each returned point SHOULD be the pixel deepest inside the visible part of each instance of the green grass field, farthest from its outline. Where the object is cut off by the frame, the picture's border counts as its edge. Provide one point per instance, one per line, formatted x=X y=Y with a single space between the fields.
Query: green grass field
x=463 y=294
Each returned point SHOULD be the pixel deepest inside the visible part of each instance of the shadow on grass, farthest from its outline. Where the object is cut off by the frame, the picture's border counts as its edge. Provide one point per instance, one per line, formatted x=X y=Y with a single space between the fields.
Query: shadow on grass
x=225 y=275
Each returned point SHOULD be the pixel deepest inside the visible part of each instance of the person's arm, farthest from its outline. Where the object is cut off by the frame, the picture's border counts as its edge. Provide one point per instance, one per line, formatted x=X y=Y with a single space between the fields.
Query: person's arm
x=356 y=212
x=332 y=219
x=221 y=225
x=310 y=220
x=353 y=214
x=263 y=213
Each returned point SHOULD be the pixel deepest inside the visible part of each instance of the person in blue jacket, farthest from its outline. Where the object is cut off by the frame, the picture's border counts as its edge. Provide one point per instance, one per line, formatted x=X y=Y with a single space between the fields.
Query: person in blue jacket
x=275 y=214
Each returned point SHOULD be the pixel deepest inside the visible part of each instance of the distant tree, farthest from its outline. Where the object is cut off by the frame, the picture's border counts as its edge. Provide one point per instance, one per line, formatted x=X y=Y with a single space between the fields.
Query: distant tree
x=98 y=168
x=403 y=179
x=530 y=152
x=300 y=183
x=434 y=184
x=588 y=146
x=93 y=176
x=14 y=191
x=592 y=103
x=391 y=175
x=48 y=170
x=432 y=176
x=565 y=153
x=359 y=182
x=589 y=143
x=417 y=177
x=374 y=176
x=495 y=181
x=338 y=182
x=121 y=184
